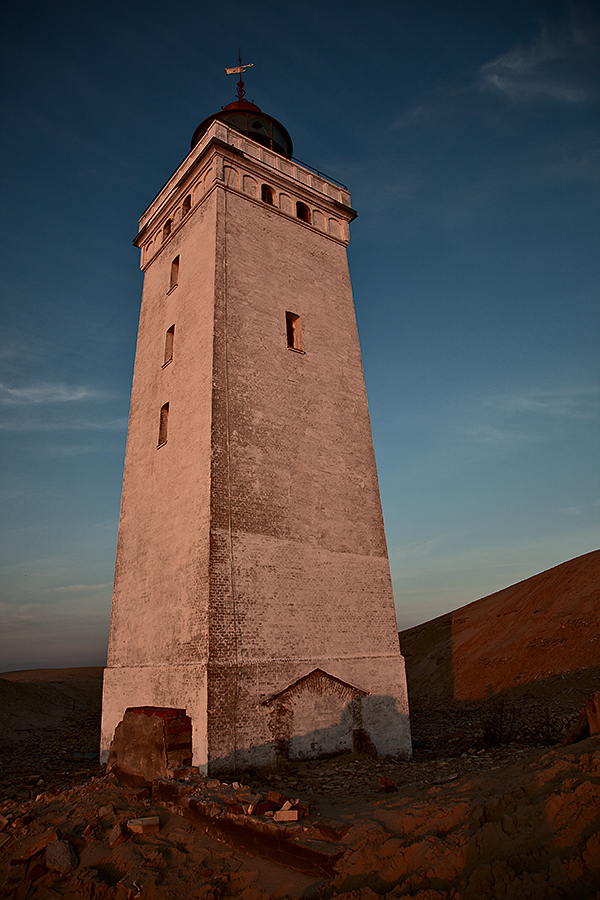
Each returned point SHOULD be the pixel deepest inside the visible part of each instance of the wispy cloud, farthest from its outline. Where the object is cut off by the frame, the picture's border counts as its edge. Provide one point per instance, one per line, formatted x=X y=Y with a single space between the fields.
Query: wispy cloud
x=495 y=436
x=496 y=425
x=581 y=509
x=552 y=68
x=44 y=393
x=50 y=407
x=77 y=588
x=22 y=427
x=573 y=403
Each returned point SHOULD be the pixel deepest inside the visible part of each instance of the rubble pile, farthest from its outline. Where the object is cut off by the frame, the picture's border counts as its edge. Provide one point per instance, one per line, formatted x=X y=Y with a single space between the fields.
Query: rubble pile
x=491 y=806
x=502 y=824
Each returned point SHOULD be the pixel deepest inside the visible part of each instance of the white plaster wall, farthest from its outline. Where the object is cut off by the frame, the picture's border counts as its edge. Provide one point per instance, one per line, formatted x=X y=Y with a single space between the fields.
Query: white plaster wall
x=286 y=438
x=160 y=593
x=297 y=600
x=312 y=581
x=302 y=454
x=384 y=711
x=160 y=599
x=181 y=687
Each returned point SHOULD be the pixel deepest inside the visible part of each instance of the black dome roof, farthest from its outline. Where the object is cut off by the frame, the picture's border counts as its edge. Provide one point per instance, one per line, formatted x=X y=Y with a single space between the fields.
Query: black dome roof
x=248 y=119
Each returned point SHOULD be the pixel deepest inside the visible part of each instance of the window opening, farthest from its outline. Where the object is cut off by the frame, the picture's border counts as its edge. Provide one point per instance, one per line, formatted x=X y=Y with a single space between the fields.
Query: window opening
x=169 y=341
x=187 y=205
x=268 y=195
x=303 y=212
x=293 y=331
x=174 y=273
x=166 y=229
x=164 y=424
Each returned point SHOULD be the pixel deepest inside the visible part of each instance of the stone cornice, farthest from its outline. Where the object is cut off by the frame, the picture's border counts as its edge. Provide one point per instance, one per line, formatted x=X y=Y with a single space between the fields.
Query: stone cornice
x=252 y=159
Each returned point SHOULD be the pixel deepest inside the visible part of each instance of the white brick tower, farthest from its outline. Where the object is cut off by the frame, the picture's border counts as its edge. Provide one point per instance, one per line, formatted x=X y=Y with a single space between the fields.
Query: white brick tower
x=252 y=584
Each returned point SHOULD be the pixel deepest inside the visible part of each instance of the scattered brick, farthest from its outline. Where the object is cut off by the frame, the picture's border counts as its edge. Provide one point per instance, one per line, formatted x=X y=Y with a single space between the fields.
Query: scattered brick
x=236 y=809
x=286 y=815
x=387 y=785
x=117 y=835
x=265 y=807
x=35 y=845
x=249 y=802
x=144 y=825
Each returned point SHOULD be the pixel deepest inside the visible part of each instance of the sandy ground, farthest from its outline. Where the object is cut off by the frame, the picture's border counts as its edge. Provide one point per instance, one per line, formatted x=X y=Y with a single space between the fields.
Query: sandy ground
x=491 y=806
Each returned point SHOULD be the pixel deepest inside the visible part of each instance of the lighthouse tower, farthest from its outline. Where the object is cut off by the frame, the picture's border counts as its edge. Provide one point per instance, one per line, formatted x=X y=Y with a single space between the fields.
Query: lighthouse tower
x=252 y=583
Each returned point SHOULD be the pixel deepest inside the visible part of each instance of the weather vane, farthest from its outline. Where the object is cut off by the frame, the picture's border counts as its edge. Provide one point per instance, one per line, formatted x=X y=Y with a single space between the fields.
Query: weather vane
x=238 y=70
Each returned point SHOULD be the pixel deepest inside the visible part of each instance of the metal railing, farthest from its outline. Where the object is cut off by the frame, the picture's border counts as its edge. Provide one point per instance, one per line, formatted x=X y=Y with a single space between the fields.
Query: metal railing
x=320 y=174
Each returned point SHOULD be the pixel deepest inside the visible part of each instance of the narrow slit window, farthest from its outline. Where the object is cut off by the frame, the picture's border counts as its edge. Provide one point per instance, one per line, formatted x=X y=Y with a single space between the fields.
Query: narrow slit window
x=164 y=425
x=303 y=212
x=267 y=194
x=174 y=273
x=187 y=205
x=293 y=331
x=166 y=229
x=169 y=341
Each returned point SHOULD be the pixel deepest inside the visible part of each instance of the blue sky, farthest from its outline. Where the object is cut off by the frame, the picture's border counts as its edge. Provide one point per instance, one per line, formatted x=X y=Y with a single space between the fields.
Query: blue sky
x=468 y=135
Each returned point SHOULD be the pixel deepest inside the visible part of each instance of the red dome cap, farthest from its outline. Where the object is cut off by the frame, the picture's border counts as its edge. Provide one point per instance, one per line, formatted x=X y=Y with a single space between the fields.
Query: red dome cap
x=242 y=104
x=248 y=119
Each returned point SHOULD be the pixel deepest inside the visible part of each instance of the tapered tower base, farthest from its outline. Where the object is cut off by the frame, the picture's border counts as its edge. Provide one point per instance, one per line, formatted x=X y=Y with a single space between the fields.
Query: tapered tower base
x=252 y=584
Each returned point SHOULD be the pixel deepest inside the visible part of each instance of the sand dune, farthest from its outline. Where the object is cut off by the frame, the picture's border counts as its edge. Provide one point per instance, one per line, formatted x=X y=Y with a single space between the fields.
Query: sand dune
x=545 y=626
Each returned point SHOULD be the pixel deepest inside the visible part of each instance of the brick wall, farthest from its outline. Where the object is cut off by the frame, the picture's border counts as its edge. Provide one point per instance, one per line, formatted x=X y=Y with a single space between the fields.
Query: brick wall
x=251 y=544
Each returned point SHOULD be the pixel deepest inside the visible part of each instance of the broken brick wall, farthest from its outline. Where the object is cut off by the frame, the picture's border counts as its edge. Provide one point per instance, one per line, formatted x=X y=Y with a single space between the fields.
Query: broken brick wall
x=149 y=743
